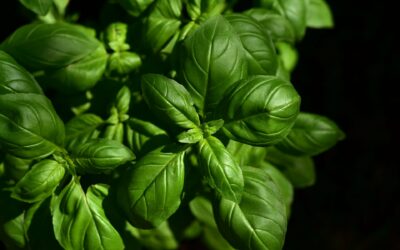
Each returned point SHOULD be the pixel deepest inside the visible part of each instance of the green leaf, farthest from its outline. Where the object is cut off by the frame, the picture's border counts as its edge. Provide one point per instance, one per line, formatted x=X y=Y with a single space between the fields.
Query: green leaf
x=40 y=7
x=160 y=238
x=282 y=182
x=135 y=7
x=260 y=110
x=222 y=172
x=29 y=126
x=14 y=78
x=39 y=182
x=145 y=127
x=114 y=132
x=191 y=136
x=213 y=60
x=200 y=10
x=162 y=23
x=311 y=135
x=169 y=101
x=259 y=221
x=15 y=167
x=123 y=100
x=152 y=189
x=299 y=170
x=79 y=220
x=276 y=25
x=260 y=51
x=123 y=63
x=288 y=56
x=244 y=154
x=80 y=75
x=100 y=155
x=319 y=14
x=201 y=208
x=49 y=46
x=212 y=127
x=82 y=128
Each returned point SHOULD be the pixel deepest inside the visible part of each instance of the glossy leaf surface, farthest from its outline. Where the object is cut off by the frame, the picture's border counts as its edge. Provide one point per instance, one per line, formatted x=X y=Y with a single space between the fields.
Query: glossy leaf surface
x=82 y=128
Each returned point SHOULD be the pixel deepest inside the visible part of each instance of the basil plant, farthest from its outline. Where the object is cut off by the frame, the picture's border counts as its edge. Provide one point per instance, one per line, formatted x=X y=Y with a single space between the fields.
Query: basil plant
x=162 y=121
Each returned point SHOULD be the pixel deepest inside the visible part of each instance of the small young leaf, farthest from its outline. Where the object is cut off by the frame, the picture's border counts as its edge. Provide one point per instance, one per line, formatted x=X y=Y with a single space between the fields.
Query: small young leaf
x=14 y=78
x=123 y=63
x=152 y=190
x=191 y=136
x=145 y=127
x=100 y=155
x=311 y=135
x=319 y=14
x=260 y=110
x=220 y=169
x=39 y=182
x=79 y=220
x=29 y=125
x=213 y=60
x=82 y=128
x=260 y=51
x=40 y=7
x=259 y=221
x=170 y=101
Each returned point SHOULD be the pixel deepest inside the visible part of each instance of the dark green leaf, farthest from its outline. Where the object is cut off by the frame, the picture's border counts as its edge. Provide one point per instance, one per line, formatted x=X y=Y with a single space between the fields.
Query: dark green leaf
x=39 y=182
x=162 y=23
x=260 y=110
x=82 y=128
x=299 y=170
x=40 y=7
x=100 y=155
x=152 y=190
x=79 y=220
x=276 y=25
x=135 y=7
x=200 y=10
x=49 y=46
x=259 y=221
x=213 y=60
x=160 y=238
x=319 y=14
x=260 y=51
x=29 y=126
x=145 y=127
x=15 y=167
x=222 y=172
x=14 y=78
x=169 y=101
x=311 y=135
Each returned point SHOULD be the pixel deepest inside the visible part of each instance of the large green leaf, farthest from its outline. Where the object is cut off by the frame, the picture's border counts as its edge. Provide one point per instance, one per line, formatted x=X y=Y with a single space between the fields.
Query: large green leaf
x=14 y=78
x=49 y=46
x=39 y=182
x=162 y=23
x=276 y=25
x=244 y=154
x=319 y=14
x=40 y=7
x=82 y=128
x=79 y=220
x=169 y=101
x=311 y=135
x=259 y=221
x=299 y=170
x=15 y=168
x=152 y=189
x=135 y=7
x=100 y=155
x=213 y=60
x=259 y=110
x=79 y=75
x=222 y=172
x=29 y=126
x=260 y=51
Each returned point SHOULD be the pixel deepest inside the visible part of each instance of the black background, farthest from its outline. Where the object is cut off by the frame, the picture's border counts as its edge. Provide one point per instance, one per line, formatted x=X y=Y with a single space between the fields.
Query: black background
x=350 y=74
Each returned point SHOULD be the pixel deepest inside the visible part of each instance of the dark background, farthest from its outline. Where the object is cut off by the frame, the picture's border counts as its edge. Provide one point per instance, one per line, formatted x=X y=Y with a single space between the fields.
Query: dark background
x=349 y=74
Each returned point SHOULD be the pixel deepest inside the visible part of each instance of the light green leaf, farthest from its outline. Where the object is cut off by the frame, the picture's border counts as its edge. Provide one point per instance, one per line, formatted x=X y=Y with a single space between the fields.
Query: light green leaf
x=299 y=170
x=123 y=100
x=39 y=182
x=169 y=101
x=79 y=220
x=29 y=126
x=100 y=155
x=14 y=78
x=260 y=110
x=40 y=7
x=200 y=10
x=222 y=172
x=48 y=46
x=213 y=60
x=288 y=56
x=260 y=51
x=152 y=189
x=191 y=136
x=123 y=63
x=162 y=23
x=82 y=128
x=259 y=221
x=311 y=135
x=319 y=14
